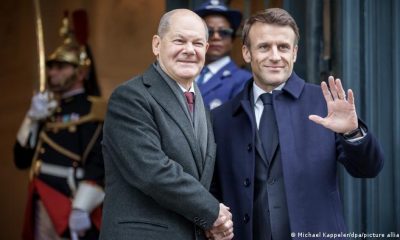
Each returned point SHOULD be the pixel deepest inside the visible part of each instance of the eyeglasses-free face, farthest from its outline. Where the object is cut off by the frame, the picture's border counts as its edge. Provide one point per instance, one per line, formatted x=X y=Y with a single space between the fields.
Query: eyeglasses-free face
x=222 y=32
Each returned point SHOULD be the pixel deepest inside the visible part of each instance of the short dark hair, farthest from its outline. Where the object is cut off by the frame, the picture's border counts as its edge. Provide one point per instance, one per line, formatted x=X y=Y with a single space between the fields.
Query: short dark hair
x=274 y=16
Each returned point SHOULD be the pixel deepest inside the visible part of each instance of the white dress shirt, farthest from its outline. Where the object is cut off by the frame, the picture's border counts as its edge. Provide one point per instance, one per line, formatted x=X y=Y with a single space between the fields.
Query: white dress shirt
x=258 y=104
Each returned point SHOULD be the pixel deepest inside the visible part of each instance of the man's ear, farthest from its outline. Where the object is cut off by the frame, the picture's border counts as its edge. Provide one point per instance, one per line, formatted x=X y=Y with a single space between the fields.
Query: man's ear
x=156 y=45
x=295 y=53
x=246 y=54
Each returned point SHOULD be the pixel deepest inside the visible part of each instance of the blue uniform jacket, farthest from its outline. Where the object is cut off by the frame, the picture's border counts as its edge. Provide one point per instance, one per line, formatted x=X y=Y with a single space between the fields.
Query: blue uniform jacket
x=224 y=85
x=309 y=154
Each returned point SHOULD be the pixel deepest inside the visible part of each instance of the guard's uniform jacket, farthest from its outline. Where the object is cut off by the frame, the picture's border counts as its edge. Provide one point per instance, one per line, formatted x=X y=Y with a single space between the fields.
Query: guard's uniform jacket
x=224 y=85
x=67 y=152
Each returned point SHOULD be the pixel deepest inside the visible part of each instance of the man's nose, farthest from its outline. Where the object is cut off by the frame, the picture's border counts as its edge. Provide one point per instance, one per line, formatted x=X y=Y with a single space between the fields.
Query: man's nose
x=51 y=71
x=275 y=56
x=189 y=48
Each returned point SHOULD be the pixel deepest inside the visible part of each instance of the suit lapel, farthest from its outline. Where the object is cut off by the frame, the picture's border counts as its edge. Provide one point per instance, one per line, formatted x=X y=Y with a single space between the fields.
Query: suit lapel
x=217 y=79
x=167 y=97
x=275 y=139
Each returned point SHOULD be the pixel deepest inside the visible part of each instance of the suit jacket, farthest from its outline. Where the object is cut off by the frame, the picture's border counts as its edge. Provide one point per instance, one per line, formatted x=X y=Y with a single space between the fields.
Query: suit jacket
x=157 y=178
x=309 y=155
x=224 y=85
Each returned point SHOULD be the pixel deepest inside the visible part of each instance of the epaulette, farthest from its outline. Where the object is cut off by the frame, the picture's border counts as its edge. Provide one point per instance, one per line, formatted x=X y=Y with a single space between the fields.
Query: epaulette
x=98 y=109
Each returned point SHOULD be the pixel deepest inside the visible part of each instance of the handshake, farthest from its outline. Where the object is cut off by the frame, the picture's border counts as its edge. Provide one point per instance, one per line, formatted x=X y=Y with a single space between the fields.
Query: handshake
x=223 y=227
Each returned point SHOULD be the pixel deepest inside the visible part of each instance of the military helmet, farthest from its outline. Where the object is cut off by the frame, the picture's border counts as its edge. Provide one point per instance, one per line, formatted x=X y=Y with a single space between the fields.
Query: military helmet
x=70 y=50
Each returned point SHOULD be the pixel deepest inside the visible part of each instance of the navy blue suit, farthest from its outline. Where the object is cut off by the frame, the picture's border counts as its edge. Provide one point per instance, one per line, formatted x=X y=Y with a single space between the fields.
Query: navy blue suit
x=224 y=85
x=309 y=156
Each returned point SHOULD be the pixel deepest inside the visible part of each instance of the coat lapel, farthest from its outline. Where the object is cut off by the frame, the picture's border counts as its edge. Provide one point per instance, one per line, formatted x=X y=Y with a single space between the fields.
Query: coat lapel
x=247 y=104
x=217 y=79
x=292 y=90
x=166 y=97
x=209 y=162
x=200 y=122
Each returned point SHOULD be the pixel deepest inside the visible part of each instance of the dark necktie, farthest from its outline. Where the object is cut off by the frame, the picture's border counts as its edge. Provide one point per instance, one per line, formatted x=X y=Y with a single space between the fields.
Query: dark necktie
x=190 y=100
x=203 y=73
x=267 y=128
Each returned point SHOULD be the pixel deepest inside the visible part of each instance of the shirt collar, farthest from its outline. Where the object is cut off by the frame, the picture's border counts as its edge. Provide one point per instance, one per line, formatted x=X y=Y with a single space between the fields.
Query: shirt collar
x=190 y=90
x=257 y=91
x=164 y=75
x=215 y=66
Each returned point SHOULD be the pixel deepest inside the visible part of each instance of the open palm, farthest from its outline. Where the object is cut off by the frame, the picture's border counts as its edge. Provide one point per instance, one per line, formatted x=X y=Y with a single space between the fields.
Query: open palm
x=342 y=116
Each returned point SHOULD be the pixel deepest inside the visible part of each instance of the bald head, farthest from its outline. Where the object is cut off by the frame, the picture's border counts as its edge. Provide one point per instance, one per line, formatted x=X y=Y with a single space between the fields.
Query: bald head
x=180 y=45
x=177 y=14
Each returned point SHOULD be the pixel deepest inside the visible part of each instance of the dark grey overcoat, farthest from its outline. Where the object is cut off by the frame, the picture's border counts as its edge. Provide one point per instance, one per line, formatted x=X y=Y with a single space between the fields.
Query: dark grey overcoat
x=158 y=163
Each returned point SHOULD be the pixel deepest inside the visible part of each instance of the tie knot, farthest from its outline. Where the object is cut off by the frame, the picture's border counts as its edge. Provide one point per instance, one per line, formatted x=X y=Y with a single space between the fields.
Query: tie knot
x=266 y=98
x=189 y=97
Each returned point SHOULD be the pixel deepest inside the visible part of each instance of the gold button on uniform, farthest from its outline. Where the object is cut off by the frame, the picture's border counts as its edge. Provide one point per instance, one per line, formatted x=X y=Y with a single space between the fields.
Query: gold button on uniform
x=75 y=164
x=72 y=129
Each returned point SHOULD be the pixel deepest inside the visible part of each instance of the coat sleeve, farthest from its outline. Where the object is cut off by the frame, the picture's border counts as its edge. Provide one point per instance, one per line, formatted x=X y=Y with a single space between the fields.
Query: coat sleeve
x=363 y=158
x=133 y=143
x=90 y=135
x=23 y=156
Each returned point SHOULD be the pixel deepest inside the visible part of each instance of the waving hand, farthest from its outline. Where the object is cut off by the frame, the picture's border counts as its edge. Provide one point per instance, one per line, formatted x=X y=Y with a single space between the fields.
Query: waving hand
x=342 y=116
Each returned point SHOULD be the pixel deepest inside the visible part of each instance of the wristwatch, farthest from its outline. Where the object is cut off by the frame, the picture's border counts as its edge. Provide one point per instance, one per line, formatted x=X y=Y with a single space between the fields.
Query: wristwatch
x=353 y=134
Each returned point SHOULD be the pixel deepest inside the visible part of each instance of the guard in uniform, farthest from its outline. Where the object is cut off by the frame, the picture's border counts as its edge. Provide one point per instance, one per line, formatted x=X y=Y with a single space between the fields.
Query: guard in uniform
x=59 y=141
x=221 y=79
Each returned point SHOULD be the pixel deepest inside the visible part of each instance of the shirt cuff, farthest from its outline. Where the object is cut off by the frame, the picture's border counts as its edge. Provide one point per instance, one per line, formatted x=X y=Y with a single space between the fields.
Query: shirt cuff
x=356 y=135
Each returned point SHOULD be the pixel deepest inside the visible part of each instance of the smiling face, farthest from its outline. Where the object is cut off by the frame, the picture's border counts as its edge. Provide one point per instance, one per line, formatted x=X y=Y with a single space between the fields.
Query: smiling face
x=271 y=53
x=181 y=50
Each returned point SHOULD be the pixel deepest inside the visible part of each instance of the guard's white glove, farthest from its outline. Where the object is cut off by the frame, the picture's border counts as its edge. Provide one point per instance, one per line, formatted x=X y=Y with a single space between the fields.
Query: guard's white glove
x=79 y=221
x=42 y=106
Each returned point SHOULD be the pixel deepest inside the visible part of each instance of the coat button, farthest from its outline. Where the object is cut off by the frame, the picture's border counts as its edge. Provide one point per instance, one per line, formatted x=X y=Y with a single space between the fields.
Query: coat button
x=198 y=232
x=249 y=147
x=246 y=218
x=246 y=182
